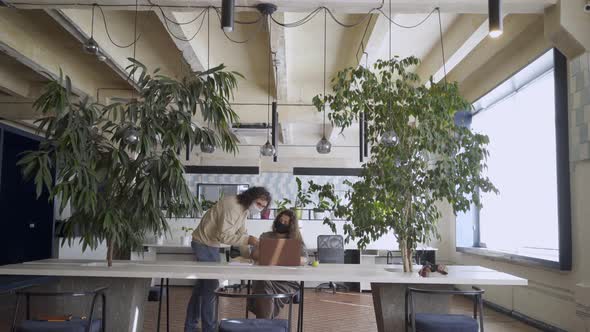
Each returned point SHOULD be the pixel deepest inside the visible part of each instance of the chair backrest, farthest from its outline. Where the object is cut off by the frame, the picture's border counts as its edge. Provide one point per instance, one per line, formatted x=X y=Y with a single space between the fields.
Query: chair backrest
x=222 y=292
x=410 y=312
x=331 y=249
x=96 y=293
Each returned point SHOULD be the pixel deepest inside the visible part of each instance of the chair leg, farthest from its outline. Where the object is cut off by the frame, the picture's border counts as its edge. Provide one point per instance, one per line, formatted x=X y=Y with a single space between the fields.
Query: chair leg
x=300 y=317
x=248 y=292
x=160 y=304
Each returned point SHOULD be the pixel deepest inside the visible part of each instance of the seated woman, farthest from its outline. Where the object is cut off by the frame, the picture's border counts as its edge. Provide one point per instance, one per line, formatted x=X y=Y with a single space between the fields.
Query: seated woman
x=285 y=225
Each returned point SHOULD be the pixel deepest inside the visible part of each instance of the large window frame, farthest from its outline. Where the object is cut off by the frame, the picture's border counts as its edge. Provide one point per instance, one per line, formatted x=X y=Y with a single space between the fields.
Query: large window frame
x=563 y=184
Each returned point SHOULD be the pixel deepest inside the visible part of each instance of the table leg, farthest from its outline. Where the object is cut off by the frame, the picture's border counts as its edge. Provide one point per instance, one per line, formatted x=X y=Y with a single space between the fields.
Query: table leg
x=160 y=304
x=300 y=316
x=167 y=305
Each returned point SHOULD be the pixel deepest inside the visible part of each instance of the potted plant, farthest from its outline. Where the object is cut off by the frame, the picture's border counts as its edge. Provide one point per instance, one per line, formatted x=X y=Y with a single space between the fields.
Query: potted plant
x=302 y=199
x=117 y=165
x=325 y=195
x=282 y=205
x=419 y=157
x=185 y=240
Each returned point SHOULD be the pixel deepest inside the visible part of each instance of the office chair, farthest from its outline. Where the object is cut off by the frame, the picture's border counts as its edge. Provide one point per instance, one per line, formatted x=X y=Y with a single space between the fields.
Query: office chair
x=428 y=322
x=331 y=251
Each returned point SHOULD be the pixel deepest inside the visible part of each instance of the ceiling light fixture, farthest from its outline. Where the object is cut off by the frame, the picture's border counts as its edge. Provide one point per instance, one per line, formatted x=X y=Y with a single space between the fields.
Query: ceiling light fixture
x=131 y=135
x=227 y=15
x=266 y=9
x=389 y=137
x=495 y=18
x=91 y=46
x=324 y=146
x=207 y=146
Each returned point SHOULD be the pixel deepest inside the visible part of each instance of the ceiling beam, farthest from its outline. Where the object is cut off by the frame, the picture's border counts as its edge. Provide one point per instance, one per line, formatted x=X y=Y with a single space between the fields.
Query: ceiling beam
x=17 y=109
x=178 y=33
x=13 y=83
x=277 y=43
x=341 y=6
x=36 y=41
x=464 y=34
x=71 y=25
x=514 y=25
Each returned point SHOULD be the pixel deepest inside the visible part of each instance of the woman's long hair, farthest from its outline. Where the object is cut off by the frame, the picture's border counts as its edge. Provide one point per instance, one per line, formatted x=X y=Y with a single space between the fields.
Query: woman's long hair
x=247 y=197
x=294 y=232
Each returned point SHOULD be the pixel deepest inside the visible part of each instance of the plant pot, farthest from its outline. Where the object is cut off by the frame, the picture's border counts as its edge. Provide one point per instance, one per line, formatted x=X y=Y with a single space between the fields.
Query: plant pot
x=186 y=240
x=265 y=214
x=160 y=240
x=298 y=213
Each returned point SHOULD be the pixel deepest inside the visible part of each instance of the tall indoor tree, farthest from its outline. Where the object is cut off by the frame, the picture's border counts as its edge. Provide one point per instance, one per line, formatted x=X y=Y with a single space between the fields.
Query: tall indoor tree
x=118 y=165
x=419 y=156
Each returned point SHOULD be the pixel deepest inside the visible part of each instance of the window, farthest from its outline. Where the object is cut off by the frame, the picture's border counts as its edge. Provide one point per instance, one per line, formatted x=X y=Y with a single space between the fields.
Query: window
x=521 y=117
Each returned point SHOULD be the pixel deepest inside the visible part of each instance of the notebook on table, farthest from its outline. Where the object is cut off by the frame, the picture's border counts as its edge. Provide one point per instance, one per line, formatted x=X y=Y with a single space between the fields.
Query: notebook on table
x=281 y=252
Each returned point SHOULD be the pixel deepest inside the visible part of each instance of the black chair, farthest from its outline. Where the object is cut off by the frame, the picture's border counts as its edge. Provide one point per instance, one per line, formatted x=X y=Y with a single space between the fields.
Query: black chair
x=331 y=251
x=91 y=324
x=428 y=322
x=254 y=325
x=297 y=299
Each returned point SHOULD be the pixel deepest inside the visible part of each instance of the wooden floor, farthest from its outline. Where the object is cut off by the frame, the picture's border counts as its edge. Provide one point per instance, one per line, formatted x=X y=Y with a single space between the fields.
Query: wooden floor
x=323 y=312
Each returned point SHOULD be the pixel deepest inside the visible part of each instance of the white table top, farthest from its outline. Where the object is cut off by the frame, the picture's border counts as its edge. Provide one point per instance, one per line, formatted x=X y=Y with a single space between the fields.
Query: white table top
x=168 y=245
x=458 y=275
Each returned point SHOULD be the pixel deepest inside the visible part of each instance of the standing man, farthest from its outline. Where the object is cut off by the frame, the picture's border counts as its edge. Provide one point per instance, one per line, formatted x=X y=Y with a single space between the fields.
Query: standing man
x=224 y=223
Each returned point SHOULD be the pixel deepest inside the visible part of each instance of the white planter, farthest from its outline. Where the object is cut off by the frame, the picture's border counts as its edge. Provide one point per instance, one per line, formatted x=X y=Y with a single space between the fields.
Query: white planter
x=160 y=240
x=186 y=240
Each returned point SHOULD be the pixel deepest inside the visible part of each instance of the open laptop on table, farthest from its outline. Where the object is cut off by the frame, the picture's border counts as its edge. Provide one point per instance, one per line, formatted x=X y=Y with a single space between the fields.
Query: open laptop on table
x=282 y=252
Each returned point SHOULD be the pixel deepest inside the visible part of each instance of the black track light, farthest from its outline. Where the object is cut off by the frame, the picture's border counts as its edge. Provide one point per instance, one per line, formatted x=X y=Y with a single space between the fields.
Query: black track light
x=495 y=18
x=227 y=15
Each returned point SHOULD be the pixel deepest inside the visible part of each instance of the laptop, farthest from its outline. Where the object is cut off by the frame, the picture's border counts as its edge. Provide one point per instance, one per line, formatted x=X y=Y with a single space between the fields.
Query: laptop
x=281 y=252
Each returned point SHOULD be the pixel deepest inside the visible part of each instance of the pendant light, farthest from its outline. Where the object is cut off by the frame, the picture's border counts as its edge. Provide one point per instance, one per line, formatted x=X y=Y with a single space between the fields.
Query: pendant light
x=389 y=137
x=227 y=15
x=132 y=133
x=131 y=136
x=268 y=150
x=495 y=18
x=324 y=146
x=206 y=146
x=91 y=46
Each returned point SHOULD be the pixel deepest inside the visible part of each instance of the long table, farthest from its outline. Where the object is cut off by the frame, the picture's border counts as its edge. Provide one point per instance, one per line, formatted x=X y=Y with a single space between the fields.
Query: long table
x=388 y=281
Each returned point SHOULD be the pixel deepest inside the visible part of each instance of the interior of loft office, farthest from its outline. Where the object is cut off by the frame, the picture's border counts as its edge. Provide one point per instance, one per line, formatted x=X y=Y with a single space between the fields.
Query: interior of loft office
x=279 y=166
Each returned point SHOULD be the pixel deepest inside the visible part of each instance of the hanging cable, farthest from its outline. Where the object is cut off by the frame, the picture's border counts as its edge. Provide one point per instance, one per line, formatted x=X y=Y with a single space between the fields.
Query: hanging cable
x=135 y=29
x=325 y=52
x=92 y=23
x=295 y=24
x=241 y=22
x=442 y=45
x=268 y=26
x=362 y=44
x=250 y=37
x=208 y=38
x=104 y=19
x=182 y=38
x=166 y=18
x=407 y=26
